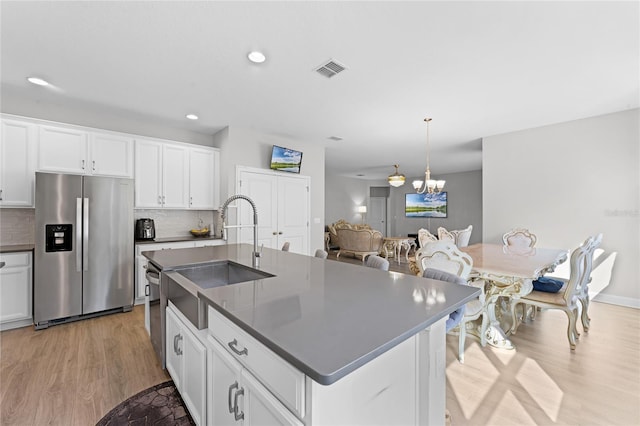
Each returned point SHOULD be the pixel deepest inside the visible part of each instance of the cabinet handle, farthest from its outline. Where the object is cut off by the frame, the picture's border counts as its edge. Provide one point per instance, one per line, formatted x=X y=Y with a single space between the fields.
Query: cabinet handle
x=82 y=164
x=279 y=232
x=190 y=201
x=176 y=342
x=159 y=199
x=274 y=233
x=239 y=415
x=0 y=194
x=94 y=165
x=231 y=388
x=146 y=290
x=233 y=345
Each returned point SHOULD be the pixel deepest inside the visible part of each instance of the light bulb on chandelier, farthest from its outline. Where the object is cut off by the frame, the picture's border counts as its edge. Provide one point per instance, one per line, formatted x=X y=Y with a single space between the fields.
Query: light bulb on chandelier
x=430 y=185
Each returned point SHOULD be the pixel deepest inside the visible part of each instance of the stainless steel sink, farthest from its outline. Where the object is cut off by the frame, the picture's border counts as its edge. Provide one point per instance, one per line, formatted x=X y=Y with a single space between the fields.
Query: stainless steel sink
x=182 y=285
x=221 y=273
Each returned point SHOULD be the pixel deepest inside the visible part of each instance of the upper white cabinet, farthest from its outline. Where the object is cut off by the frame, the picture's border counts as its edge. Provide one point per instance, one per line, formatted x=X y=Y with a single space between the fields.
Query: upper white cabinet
x=111 y=155
x=283 y=215
x=17 y=166
x=70 y=150
x=204 y=188
x=178 y=176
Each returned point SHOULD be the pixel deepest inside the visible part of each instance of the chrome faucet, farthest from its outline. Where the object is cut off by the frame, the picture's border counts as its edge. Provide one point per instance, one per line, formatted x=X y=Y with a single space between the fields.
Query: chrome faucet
x=256 y=254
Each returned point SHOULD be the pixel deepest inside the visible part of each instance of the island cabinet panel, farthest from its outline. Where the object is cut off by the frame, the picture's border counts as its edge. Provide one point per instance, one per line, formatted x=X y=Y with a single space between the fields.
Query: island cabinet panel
x=284 y=381
x=186 y=360
x=237 y=397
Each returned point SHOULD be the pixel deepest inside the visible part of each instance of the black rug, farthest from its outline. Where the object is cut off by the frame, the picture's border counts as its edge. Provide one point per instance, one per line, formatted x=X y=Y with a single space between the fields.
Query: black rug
x=158 y=405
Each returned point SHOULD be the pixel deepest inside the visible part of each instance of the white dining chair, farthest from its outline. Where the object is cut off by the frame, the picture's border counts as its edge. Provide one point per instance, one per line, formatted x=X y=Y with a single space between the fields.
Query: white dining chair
x=321 y=254
x=377 y=262
x=446 y=257
x=520 y=237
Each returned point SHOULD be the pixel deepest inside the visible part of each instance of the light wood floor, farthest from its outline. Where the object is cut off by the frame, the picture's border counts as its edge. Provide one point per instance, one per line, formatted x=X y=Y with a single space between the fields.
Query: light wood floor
x=75 y=373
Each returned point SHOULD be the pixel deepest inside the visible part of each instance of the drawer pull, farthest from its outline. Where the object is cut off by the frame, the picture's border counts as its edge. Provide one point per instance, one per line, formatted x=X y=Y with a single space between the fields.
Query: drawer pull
x=231 y=388
x=176 y=342
x=233 y=345
x=239 y=415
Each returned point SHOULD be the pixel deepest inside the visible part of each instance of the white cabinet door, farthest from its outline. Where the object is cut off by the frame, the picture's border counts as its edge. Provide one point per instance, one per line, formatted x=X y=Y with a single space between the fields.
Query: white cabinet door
x=148 y=174
x=17 y=172
x=15 y=287
x=175 y=176
x=62 y=150
x=174 y=339
x=186 y=361
x=194 y=383
x=223 y=385
x=261 y=407
x=202 y=180
x=111 y=155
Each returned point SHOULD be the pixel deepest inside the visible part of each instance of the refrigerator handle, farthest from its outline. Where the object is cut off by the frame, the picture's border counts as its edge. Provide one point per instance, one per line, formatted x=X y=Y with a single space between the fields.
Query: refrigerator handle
x=78 y=234
x=85 y=234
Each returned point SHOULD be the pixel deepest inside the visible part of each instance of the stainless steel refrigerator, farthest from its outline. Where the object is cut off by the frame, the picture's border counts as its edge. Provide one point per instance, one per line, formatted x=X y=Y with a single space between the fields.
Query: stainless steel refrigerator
x=84 y=247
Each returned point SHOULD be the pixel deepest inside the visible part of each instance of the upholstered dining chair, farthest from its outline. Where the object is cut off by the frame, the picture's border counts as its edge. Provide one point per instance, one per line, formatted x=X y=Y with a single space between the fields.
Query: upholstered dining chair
x=446 y=257
x=321 y=254
x=456 y=316
x=460 y=237
x=377 y=262
x=425 y=237
x=285 y=246
x=519 y=237
x=570 y=294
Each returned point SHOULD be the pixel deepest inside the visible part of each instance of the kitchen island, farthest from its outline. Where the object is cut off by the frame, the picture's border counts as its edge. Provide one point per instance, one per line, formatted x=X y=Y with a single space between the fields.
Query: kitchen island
x=360 y=338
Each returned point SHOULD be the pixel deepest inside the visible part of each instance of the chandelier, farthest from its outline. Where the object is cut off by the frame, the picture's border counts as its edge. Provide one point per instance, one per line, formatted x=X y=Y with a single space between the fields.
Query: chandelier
x=396 y=179
x=430 y=185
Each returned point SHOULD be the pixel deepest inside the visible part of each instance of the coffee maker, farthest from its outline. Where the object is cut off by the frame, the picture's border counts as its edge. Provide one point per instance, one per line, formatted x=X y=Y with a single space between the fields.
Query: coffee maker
x=145 y=229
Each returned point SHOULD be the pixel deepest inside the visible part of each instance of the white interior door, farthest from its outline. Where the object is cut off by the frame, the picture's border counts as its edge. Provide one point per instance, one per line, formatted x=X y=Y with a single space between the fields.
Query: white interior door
x=263 y=190
x=293 y=213
x=378 y=214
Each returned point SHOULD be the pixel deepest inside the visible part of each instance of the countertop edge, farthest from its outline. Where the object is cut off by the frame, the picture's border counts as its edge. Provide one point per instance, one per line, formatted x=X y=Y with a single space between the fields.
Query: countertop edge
x=14 y=248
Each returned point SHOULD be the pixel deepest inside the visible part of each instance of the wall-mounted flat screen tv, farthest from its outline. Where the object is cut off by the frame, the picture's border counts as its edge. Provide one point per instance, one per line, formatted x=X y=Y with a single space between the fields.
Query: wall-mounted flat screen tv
x=426 y=205
x=285 y=159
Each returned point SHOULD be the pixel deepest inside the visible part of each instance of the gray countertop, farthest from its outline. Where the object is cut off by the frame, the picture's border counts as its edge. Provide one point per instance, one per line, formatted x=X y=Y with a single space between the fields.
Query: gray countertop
x=326 y=318
x=11 y=248
x=177 y=238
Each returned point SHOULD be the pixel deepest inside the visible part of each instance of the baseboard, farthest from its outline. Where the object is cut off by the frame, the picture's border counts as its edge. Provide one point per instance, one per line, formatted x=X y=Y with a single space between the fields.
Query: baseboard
x=629 y=302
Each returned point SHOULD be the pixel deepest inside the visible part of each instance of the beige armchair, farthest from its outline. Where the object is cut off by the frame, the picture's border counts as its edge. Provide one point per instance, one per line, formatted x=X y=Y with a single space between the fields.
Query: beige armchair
x=359 y=242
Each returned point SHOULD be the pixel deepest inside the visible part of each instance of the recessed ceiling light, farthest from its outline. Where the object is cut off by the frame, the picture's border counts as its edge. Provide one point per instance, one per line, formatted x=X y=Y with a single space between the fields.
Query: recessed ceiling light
x=256 y=57
x=192 y=116
x=38 y=81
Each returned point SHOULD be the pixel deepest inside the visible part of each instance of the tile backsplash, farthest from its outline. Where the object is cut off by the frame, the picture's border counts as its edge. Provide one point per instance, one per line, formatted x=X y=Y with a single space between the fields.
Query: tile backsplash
x=175 y=223
x=17 y=226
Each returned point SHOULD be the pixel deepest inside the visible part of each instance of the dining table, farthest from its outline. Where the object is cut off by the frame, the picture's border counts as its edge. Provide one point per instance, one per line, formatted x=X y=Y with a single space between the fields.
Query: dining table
x=508 y=273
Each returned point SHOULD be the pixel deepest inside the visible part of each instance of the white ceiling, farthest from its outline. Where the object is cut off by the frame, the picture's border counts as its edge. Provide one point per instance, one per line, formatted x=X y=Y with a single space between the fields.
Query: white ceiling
x=477 y=68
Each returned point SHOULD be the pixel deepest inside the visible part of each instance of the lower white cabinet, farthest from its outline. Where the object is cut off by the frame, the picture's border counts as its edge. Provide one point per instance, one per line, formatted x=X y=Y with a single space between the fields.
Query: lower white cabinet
x=186 y=360
x=235 y=396
x=16 y=289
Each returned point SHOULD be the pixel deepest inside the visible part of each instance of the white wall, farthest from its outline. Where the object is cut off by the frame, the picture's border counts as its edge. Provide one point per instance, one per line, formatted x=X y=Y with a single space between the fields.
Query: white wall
x=568 y=181
x=464 y=206
x=464 y=194
x=245 y=147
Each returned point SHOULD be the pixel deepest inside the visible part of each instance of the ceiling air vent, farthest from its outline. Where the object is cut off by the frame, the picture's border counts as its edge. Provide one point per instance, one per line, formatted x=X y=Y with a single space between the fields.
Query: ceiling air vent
x=330 y=68
x=335 y=138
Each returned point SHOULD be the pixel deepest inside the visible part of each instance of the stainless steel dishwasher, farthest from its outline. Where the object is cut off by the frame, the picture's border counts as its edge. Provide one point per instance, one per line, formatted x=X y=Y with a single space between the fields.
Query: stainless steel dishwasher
x=156 y=311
